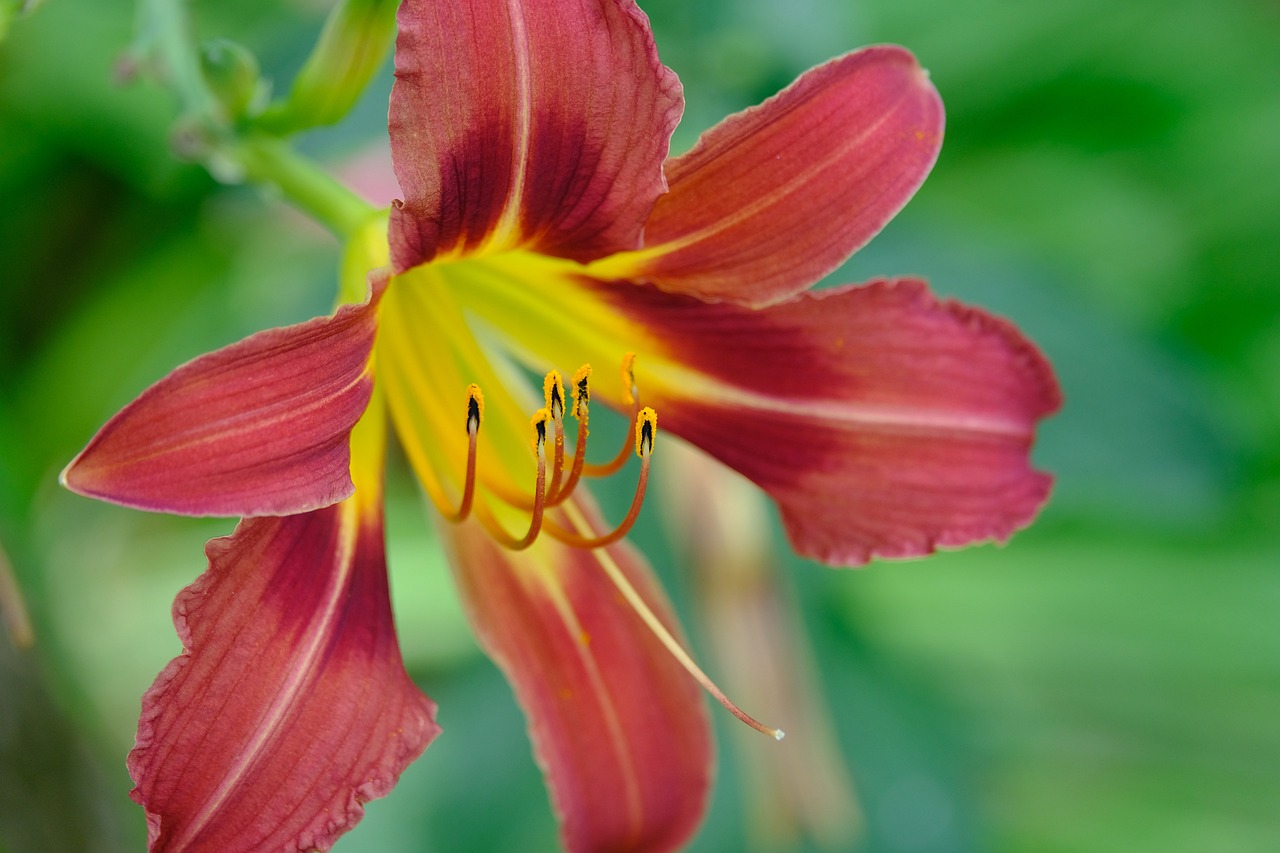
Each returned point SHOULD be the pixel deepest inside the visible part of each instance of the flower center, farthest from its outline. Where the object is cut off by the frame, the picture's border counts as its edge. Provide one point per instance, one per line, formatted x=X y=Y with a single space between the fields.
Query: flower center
x=473 y=324
x=552 y=488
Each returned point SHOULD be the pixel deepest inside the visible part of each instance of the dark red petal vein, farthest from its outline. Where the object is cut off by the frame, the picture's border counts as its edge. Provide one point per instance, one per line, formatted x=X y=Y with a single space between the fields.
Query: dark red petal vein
x=532 y=124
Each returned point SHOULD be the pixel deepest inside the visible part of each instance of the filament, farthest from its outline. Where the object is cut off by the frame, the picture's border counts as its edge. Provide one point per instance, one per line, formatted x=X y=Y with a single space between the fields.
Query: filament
x=581 y=413
x=654 y=624
x=553 y=393
x=486 y=517
x=475 y=413
x=630 y=394
x=646 y=428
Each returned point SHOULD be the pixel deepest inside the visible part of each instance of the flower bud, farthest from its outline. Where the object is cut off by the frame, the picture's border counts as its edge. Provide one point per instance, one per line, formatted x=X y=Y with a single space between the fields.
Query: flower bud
x=231 y=72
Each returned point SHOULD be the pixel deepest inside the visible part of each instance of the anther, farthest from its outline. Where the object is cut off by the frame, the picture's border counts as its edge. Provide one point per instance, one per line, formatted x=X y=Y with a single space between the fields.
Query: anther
x=581 y=412
x=646 y=429
x=539 y=440
x=475 y=408
x=475 y=415
x=553 y=393
x=581 y=392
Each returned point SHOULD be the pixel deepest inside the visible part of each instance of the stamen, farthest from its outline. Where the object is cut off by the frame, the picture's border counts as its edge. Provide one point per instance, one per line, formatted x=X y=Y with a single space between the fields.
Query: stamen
x=630 y=395
x=645 y=430
x=553 y=393
x=581 y=412
x=643 y=435
x=539 y=443
x=475 y=414
x=654 y=624
x=581 y=391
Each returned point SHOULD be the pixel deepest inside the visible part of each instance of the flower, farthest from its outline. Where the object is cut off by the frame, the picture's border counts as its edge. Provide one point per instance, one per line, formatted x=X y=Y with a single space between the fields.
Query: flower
x=543 y=228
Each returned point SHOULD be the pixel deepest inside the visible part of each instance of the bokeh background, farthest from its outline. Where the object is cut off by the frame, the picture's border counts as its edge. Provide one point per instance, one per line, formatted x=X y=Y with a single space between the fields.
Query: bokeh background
x=1109 y=680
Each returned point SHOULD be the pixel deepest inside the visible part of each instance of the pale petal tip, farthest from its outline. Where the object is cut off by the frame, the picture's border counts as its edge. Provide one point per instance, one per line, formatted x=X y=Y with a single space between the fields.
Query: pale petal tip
x=72 y=477
x=779 y=734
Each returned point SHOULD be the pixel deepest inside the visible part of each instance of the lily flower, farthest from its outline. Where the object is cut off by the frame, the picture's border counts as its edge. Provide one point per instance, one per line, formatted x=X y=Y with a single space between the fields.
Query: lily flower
x=543 y=228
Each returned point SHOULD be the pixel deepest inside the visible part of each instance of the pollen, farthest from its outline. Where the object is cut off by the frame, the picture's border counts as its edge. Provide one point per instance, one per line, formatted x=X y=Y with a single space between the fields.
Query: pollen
x=475 y=408
x=646 y=430
x=568 y=524
x=553 y=393
x=538 y=441
x=557 y=477
x=581 y=391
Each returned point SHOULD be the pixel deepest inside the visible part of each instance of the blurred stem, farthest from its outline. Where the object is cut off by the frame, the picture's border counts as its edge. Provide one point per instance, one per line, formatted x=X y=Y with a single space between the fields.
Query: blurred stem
x=267 y=161
x=205 y=132
x=166 y=36
x=13 y=612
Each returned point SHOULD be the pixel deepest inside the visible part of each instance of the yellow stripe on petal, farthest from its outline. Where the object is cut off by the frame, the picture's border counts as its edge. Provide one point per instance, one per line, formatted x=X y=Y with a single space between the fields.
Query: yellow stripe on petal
x=368 y=456
x=367 y=250
x=552 y=314
x=631 y=265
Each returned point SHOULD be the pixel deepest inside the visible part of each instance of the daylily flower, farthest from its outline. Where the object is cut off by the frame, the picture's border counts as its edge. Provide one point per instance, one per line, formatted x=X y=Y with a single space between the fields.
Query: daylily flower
x=543 y=228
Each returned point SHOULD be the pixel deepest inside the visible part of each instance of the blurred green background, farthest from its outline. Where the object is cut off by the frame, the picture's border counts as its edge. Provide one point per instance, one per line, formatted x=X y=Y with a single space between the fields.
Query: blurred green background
x=1109 y=680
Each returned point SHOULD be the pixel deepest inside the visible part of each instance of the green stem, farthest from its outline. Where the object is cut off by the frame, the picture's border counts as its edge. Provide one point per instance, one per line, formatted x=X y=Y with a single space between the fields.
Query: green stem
x=166 y=35
x=165 y=31
x=304 y=184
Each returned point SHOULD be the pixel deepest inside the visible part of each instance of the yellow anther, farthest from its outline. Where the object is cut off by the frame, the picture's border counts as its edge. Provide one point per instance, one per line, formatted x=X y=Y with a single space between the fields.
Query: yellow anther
x=475 y=408
x=539 y=424
x=629 y=390
x=581 y=391
x=646 y=430
x=553 y=394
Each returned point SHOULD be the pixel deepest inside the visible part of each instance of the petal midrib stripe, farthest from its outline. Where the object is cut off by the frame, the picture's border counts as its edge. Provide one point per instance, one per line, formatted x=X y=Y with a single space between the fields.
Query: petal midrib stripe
x=315 y=640
x=522 y=119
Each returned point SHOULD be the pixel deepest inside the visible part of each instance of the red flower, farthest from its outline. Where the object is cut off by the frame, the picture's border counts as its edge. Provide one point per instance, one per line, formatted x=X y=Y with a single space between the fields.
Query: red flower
x=541 y=228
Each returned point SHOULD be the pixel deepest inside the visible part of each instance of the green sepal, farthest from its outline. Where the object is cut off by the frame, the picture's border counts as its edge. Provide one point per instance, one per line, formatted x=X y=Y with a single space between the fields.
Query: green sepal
x=352 y=47
x=231 y=72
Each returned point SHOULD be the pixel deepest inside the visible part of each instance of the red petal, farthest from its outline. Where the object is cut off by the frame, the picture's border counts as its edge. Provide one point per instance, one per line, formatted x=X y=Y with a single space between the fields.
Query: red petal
x=773 y=198
x=617 y=725
x=882 y=421
x=257 y=428
x=289 y=707
x=534 y=124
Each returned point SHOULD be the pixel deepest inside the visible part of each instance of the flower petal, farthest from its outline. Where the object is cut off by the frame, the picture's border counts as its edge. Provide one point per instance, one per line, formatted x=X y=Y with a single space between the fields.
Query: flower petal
x=775 y=197
x=257 y=428
x=289 y=707
x=617 y=725
x=884 y=422
x=522 y=123
x=881 y=420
